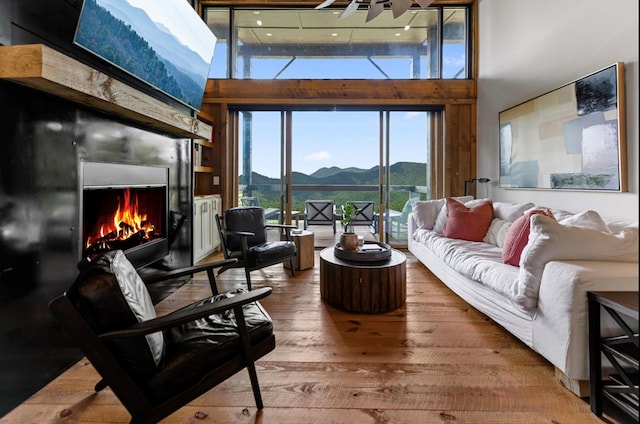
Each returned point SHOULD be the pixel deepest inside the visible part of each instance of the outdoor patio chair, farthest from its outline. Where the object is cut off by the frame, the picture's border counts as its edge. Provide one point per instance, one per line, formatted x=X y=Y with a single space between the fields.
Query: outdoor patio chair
x=320 y=212
x=396 y=222
x=366 y=215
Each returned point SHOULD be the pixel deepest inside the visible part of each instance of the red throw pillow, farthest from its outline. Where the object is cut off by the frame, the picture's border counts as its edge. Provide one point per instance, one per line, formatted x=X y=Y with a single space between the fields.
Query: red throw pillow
x=468 y=223
x=518 y=236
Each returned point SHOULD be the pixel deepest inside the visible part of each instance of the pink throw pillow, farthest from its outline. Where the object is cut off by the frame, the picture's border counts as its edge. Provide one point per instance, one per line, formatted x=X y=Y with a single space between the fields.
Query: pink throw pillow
x=518 y=236
x=468 y=223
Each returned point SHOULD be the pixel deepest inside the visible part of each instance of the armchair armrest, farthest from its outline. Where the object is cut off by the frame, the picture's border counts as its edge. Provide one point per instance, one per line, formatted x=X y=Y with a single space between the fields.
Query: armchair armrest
x=183 y=316
x=284 y=226
x=238 y=233
x=287 y=229
x=167 y=275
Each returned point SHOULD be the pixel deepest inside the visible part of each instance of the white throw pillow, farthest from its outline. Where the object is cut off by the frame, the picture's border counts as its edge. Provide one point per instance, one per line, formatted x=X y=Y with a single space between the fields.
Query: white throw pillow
x=425 y=212
x=441 y=219
x=551 y=241
x=510 y=211
x=135 y=293
x=497 y=232
x=588 y=219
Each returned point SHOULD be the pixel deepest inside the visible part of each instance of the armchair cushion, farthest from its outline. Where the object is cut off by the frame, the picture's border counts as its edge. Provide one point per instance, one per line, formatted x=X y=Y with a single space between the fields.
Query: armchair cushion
x=111 y=296
x=249 y=219
x=197 y=347
x=270 y=251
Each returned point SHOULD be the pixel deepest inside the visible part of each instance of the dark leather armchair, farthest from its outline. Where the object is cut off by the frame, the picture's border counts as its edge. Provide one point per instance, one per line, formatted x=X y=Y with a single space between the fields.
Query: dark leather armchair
x=156 y=365
x=243 y=236
x=269 y=213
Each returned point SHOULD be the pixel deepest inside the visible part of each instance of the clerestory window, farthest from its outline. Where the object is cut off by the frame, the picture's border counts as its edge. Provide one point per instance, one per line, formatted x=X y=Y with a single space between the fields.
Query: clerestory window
x=304 y=43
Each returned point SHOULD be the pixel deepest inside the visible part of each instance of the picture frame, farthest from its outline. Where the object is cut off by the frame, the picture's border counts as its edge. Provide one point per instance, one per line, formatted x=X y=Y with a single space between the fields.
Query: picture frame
x=571 y=138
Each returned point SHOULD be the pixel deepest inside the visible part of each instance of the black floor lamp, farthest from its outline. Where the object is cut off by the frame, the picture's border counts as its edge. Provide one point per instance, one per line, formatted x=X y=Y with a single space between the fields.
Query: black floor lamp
x=470 y=187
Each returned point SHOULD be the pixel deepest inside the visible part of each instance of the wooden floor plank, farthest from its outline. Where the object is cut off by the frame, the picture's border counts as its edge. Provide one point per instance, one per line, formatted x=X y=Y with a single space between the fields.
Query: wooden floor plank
x=434 y=360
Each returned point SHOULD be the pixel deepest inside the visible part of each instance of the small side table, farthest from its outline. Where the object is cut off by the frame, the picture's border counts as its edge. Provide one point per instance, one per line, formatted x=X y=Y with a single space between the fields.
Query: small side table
x=305 y=257
x=621 y=387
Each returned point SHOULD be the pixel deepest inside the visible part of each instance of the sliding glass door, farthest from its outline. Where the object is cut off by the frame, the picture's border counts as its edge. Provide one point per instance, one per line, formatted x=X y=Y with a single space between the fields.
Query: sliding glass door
x=288 y=157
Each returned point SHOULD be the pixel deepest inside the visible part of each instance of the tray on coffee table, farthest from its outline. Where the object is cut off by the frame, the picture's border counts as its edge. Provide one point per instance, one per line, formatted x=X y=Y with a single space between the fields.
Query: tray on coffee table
x=370 y=251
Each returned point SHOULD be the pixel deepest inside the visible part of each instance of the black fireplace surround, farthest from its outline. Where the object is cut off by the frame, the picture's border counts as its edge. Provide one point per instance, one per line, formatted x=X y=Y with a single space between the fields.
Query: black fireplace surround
x=46 y=144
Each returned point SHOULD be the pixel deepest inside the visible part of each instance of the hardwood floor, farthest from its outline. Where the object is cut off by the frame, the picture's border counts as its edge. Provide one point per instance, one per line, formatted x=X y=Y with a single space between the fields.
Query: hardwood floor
x=433 y=360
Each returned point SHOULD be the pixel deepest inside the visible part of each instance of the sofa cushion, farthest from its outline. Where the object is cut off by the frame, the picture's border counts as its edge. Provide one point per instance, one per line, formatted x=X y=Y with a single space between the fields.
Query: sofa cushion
x=552 y=241
x=468 y=223
x=425 y=212
x=497 y=232
x=518 y=236
x=587 y=219
x=441 y=219
x=510 y=211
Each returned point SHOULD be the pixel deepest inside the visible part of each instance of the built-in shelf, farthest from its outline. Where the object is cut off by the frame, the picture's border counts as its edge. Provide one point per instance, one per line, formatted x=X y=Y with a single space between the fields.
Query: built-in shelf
x=45 y=69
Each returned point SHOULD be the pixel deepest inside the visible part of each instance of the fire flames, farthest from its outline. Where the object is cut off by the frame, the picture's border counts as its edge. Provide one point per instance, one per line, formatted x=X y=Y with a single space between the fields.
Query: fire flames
x=127 y=228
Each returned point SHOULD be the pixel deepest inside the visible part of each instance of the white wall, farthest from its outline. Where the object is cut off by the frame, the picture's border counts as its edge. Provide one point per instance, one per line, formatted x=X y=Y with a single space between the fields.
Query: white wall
x=529 y=47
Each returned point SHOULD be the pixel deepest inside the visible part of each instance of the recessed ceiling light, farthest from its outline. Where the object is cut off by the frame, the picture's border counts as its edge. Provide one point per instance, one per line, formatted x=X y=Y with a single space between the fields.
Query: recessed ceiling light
x=269 y=34
x=259 y=22
x=397 y=34
x=334 y=34
x=407 y=28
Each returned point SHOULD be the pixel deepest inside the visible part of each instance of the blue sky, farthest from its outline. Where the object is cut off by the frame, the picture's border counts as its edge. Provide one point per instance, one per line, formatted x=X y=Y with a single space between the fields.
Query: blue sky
x=343 y=139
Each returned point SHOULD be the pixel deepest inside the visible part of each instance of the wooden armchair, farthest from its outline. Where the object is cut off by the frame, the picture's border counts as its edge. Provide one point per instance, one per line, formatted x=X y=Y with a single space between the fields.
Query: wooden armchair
x=243 y=237
x=156 y=365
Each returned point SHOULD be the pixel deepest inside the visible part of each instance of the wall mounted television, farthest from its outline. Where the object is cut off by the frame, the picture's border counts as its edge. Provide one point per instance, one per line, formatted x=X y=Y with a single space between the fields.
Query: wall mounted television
x=164 y=43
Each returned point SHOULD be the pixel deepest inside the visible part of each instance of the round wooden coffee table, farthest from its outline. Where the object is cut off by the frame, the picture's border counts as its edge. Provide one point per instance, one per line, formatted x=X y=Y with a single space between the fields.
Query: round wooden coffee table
x=369 y=287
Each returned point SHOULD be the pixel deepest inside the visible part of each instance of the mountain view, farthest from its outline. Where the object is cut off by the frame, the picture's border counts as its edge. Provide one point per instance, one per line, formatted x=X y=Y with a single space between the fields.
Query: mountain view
x=406 y=175
x=127 y=37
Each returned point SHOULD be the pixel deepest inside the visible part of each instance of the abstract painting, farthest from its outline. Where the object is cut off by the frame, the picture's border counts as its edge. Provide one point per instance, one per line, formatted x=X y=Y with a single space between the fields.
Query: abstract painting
x=571 y=138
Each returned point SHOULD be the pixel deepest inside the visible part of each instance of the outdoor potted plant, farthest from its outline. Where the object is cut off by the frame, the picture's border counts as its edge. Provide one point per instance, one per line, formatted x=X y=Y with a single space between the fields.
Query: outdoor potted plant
x=348 y=238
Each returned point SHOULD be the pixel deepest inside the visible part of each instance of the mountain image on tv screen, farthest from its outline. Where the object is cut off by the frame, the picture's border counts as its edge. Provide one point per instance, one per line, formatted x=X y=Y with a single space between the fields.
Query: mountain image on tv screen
x=164 y=43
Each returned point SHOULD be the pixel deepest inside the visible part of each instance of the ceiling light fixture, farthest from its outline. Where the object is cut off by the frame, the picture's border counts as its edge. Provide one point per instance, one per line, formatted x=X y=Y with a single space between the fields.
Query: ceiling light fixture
x=398 y=7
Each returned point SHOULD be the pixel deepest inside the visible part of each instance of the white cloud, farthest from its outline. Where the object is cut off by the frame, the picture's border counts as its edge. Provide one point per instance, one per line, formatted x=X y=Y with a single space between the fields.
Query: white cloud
x=410 y=115
x=319 y=156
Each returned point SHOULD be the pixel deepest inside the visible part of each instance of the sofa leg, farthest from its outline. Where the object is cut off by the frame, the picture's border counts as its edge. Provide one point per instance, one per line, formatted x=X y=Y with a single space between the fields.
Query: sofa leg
x=579 y=388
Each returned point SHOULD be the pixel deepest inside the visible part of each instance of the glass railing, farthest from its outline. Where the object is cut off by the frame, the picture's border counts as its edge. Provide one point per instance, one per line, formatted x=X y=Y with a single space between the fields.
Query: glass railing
x=268 y=197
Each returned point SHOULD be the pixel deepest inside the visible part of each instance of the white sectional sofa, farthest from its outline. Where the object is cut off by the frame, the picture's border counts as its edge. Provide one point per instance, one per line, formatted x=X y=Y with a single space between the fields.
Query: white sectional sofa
x=542 y=301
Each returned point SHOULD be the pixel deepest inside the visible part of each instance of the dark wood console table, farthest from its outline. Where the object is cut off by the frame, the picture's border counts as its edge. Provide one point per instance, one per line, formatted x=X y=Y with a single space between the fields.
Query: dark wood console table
x=621 y=386
x=370 y=287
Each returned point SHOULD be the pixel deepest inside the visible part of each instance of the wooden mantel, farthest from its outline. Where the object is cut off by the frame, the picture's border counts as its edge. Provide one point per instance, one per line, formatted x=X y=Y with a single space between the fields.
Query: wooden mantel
x=45 y=69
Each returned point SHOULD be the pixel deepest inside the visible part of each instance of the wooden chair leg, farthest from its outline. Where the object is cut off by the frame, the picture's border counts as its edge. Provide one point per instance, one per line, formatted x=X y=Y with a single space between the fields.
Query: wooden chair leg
x=212 y=282
x=246 y=272
x=253 y=377
x=100 y=385
x=293 y=272
x=248 y=355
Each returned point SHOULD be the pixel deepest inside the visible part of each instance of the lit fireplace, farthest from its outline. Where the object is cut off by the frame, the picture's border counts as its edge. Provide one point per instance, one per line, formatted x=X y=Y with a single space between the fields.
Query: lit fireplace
x=129 y=225
x=124 y=207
